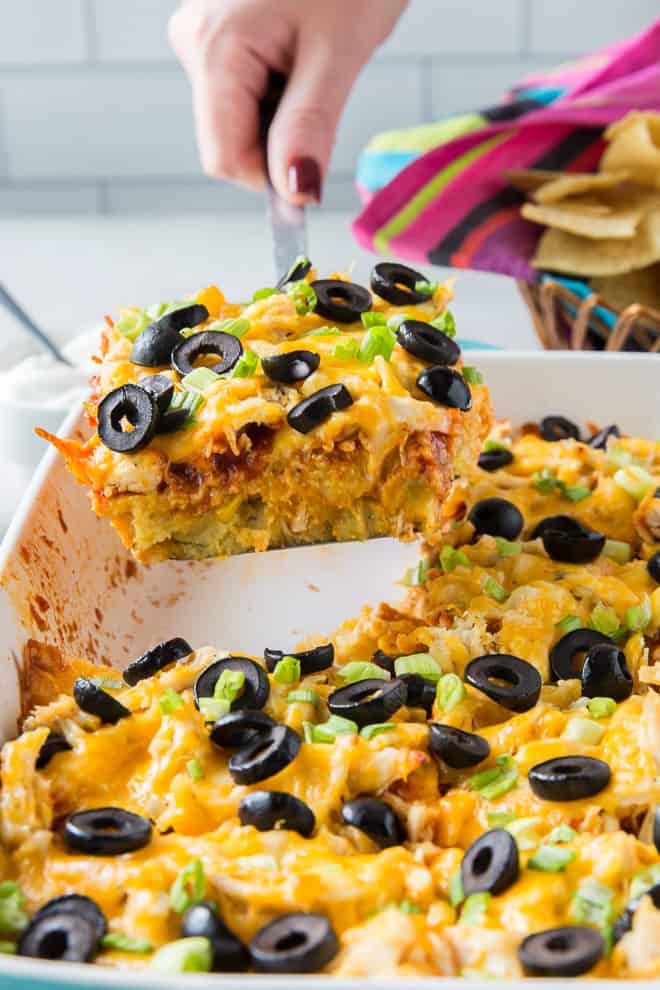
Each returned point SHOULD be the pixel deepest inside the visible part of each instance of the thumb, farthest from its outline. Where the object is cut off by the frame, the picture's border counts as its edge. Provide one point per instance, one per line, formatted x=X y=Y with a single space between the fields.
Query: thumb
x=302 y=134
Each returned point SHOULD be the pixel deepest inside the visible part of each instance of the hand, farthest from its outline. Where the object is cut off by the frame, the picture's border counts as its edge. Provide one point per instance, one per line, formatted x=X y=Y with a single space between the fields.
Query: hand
x=228 y=47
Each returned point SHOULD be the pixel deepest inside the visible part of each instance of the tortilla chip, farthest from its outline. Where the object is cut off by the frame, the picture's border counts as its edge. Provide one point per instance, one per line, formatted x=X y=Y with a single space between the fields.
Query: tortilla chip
x=586 y=217
x=529 y=179
x=574 y=183
x=560 y=251
x=640 y=286
x=634 y=145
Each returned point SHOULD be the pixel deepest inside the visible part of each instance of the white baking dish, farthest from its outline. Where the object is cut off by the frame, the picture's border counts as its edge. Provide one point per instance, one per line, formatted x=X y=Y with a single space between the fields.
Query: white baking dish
x=67 y=581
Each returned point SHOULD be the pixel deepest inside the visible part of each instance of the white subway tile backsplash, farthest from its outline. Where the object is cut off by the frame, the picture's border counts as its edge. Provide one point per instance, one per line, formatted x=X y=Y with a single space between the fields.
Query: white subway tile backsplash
x=430 y=27
x=48 y=198
x=572 y=27
x=132 y=30
x=387 y=95
x=456 y=88
x=97 y=124
x=34 y=31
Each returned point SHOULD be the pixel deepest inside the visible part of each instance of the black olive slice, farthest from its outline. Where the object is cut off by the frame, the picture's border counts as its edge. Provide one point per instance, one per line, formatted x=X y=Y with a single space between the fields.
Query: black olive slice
x=290 y=367
x=230 y=955
x=522 y=681
x=106 y=831
x=605 y=673
x=311 y=661
x=490 y=865
x=368 y=701
x=294 y=943
x=265 y=755
x=599 y=440
x=568 y=540
x=554 y=428
x=568 y=951
x=493 y=460
x=60 y=936
x=240 y=728
x=341 y=302
x=396 y=283
x=456 y=748
x=266 y=810
x=624 y=922
x=95 y=701
x=225 y=345
x=316 y=408
x=653 y=566
x=565 y=650
x=446 y=387
x=420 y=692
x=386 y=662
x=160 y=387
x=569 y=778
x=157 y=658
x=172 y=421
x=496 y=517
x=376 y=819
x=54 y=743
x=425 y=342
x=131 y=403
x=186 y=317
x=153 y=347
x=78 y=904
x=255 y=689
x=301 y=267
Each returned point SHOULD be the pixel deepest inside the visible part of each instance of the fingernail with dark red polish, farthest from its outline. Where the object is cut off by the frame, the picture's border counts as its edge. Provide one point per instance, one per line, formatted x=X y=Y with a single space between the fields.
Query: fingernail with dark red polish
x=305 y=178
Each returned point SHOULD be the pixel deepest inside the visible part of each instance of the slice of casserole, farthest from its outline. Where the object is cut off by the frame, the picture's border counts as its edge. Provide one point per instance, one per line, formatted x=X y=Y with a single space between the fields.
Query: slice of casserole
x=319 y=411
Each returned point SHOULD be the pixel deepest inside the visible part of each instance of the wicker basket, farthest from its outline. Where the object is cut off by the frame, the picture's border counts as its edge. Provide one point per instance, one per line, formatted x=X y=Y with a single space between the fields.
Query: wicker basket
x=564 y=321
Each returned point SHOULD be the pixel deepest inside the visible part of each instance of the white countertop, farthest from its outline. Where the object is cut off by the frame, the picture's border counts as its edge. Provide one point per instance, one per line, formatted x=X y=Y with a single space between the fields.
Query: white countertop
x=68 y=272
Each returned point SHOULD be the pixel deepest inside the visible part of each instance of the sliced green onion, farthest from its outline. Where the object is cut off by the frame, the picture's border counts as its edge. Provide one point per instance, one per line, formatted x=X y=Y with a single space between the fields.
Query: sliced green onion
x=323 y=332
x=604 y=620
x=13 y=918
x=301 y=261
x=575 y=493
x=213 y=708
x=583 y=730
x=593 y=904
x=569 y=624
x=472 y=375
x=394 y=322
x=200 y=379
x=303 y=696
x=644 y=880
x=287 y=670
x=417 y=575
x=378 y=340
x=303 y=296
x=618 y=551
x=7 y=948
x=377 y=729
x=124 y=943
x=132 y=324
x=373 y=319
x=194 y=768
x=107 y=684
x=617 y=457
x=492 y=443
x=360 y=670
x=449 y=692
x=496 y=781
x=524 y=831
x=327 y=732
x=634 y=480
x=474 y=909
x=156 y=310
x=425 y=288
x=189 y=887
x=445 y=323
x=551 y=859
x=235 y=325
x=545 y=481
x=246 y=365
x=638 y=617
x=500 y=819
x=347 y=350
x=507 y=548
x=450 y=559
x=456 y=893
x=562 y=833
x=186 y=955
x=407 y=907
x=419 y=663
x=601 y=707
x=263 y=294
x=230 y=685
x=494 y=589
x=169 y=701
